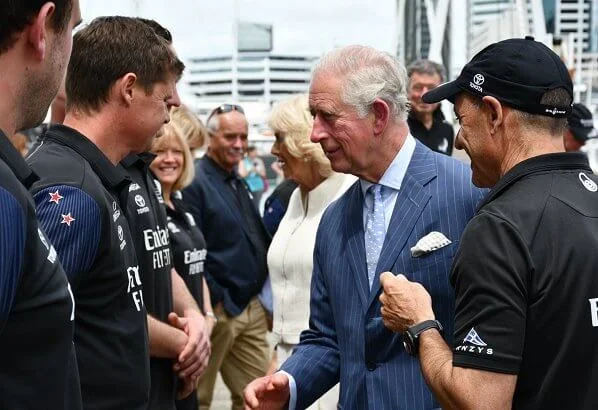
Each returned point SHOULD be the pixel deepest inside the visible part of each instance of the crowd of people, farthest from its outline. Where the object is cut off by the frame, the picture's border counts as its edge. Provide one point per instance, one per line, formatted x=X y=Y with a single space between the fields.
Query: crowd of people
x=136 y=265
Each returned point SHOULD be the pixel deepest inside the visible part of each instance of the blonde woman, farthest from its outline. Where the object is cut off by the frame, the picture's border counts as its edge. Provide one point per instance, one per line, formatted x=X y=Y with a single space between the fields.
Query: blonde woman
x=173 y=166
x=290 y=256
x=193 y=130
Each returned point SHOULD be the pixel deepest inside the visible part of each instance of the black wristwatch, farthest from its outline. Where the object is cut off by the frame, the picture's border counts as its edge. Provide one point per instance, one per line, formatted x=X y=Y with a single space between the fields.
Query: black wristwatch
x=411 y=335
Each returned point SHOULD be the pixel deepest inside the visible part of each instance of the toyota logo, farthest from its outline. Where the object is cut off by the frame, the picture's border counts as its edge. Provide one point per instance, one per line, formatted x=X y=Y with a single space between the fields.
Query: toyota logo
x=478 y=79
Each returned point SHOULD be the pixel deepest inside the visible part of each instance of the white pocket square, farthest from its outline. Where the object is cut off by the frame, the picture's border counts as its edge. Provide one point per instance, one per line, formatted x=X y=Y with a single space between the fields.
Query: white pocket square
x=429 y=243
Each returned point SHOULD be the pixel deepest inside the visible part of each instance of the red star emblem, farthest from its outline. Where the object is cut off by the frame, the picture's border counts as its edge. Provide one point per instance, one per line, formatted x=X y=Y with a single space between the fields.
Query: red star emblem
x=55 y=197
x=67 y=219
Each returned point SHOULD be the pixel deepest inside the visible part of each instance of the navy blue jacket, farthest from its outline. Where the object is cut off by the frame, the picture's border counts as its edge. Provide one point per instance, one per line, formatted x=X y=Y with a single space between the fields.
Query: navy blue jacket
x=232 y=271
x=346 y=340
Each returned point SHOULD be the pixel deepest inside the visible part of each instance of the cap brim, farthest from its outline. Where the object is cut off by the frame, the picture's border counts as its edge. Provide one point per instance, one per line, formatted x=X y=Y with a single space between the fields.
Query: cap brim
x=446 y=91
x=582 y=133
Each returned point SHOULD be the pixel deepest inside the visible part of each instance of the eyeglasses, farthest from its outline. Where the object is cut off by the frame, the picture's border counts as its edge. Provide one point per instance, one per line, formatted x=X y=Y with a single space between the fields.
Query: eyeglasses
x=224 y=108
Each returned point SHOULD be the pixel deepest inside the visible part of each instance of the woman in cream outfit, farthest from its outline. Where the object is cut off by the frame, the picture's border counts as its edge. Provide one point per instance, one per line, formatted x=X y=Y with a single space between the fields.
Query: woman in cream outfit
x=291 y=251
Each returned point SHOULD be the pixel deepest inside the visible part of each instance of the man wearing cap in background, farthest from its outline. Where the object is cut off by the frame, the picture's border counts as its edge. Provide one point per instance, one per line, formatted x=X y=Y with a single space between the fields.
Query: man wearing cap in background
x=580 y=129
x=526 y=289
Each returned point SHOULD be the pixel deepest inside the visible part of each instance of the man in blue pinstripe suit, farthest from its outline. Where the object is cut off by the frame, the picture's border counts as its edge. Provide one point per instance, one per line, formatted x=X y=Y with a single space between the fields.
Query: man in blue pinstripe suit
x=405 y=192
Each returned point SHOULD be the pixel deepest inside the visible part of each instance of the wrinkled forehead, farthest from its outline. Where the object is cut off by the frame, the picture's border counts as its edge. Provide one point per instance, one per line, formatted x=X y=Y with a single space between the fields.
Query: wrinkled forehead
x=325 y=90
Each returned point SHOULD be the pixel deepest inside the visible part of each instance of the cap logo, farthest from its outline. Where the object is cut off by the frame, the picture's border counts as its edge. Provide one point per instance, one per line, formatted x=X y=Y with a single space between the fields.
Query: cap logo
x=555 y=111
x=478 y=80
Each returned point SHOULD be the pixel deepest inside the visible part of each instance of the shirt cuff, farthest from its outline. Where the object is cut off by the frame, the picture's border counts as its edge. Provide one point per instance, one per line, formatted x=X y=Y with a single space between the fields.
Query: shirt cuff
x=292 y=390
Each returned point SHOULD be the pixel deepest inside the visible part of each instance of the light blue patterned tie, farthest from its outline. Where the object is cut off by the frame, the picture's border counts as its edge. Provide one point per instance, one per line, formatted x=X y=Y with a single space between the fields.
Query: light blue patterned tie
x=375 y=229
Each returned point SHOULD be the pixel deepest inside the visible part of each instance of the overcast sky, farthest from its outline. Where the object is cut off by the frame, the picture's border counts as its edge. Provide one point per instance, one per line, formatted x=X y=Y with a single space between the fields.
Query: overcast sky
x=204 y=27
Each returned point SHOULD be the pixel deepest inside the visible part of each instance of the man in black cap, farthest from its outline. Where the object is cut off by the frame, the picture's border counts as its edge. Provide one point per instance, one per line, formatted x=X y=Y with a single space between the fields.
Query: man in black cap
x=580 y=129
x=526 y=289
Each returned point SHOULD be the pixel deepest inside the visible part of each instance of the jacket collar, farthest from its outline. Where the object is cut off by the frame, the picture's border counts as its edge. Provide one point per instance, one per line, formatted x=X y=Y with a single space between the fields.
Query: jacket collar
x=112 y=176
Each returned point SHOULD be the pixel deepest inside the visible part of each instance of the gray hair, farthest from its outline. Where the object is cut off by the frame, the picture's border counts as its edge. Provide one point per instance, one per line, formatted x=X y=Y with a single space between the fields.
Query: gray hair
x=368 y=74
x=558 y=97
x=213 y=124
x=427 y=67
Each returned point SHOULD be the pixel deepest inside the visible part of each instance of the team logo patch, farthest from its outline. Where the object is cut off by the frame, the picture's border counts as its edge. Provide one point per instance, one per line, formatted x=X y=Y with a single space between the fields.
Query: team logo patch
x=55 y=197
x=116 y=213
x=587 y=182
x=121 y=237
x=140 y=201
x=473 y=343
x=67 y=219
x=158 y=191
x=473 y=338
x=134 y=187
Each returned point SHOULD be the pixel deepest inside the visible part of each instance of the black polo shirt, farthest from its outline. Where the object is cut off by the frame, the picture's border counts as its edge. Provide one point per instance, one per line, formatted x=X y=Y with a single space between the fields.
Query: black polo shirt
x=147 y=219
x=36 y=305
x=188 y=247
x=526 y=283
x=440 y=137
x=77 y=199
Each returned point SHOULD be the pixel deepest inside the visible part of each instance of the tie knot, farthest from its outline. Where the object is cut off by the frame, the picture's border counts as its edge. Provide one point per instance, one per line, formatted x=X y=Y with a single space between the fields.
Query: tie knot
x=375 y=191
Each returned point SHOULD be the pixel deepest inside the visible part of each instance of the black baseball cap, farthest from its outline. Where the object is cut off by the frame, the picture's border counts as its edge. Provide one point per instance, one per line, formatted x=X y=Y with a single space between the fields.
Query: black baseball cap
x=581 y=123
x=517 y=72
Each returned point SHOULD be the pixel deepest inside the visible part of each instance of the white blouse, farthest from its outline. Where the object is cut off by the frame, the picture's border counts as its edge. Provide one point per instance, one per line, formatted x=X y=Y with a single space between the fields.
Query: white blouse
x=290 y=257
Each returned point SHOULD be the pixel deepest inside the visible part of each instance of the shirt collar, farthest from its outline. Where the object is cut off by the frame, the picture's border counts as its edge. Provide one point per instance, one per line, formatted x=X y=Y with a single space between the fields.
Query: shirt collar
x=541 y=163
x=226 y=176
x=141 y=161
x=112 y=176
x=395 y=173
x=16 y=162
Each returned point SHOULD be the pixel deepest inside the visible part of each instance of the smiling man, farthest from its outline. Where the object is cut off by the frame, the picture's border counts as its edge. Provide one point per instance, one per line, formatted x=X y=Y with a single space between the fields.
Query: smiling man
x=405 y=192
x=526 y=289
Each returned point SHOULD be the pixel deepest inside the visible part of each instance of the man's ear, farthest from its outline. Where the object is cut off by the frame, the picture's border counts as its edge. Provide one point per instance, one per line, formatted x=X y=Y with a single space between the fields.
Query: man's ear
x=381 y=111
x=125 y=88
x=37 y=31
x=496 y=112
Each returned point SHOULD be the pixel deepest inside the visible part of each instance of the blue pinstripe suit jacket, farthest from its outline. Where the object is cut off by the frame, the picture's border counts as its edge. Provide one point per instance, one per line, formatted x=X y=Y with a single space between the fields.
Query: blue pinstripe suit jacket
x=346 y=339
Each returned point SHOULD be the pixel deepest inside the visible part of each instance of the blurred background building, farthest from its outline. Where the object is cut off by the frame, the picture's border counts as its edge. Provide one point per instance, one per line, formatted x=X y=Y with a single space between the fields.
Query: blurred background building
x=452 y=31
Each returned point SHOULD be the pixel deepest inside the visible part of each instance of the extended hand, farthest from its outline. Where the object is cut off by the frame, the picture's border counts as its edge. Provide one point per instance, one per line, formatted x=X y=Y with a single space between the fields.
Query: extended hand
x=404 y=303
x=193 y=360
x=268 y=393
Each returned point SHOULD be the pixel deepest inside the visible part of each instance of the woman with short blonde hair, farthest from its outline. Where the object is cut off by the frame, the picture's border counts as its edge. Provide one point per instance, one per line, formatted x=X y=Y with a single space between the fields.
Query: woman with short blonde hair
x=193 y=130
x=290 y=260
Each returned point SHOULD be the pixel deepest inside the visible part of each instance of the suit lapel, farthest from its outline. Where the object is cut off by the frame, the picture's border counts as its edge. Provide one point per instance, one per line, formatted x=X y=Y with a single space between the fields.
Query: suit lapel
x=411 y=201
x=356 y=243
